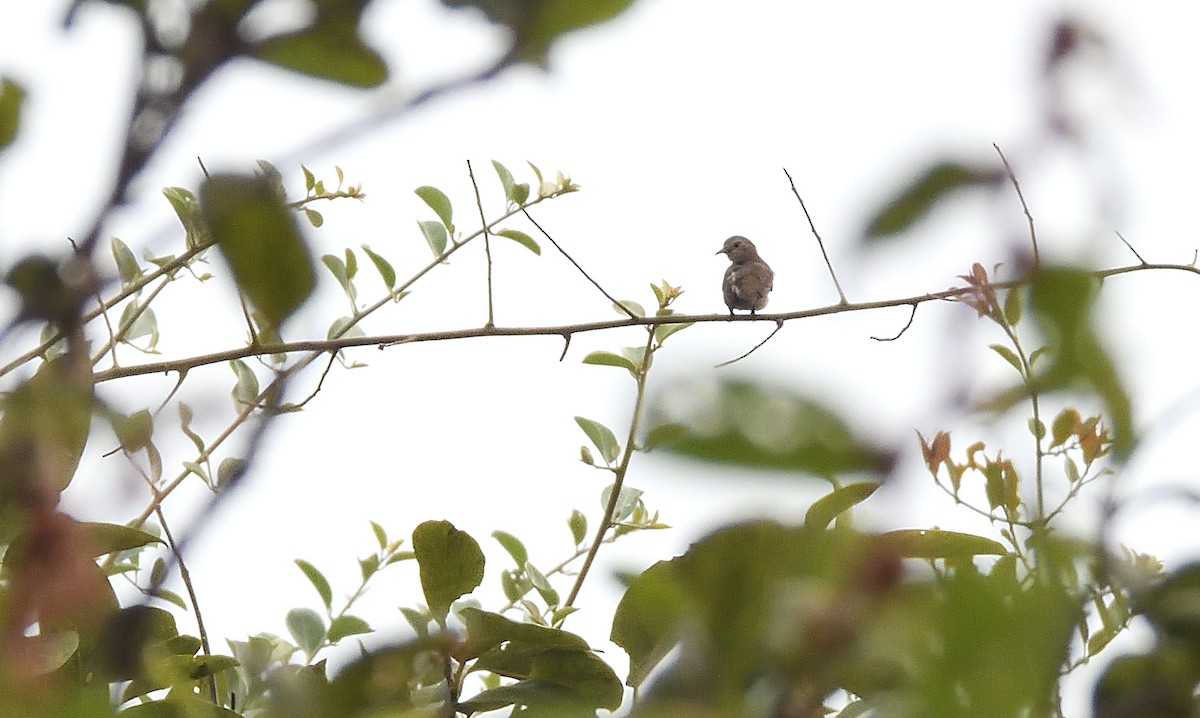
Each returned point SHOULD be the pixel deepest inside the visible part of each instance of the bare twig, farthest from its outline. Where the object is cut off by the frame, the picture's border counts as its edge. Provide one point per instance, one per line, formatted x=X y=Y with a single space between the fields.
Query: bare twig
x=820 y=243
x=606 y=521
x=581 y=270
x=1012 y=177
x=906 y=326
x=186 y=577
x=778 y=326
x=487 y=246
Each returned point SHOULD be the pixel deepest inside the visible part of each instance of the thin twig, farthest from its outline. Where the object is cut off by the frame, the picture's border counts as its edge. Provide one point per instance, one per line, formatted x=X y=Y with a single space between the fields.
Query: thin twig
x=186 y=577
x=820 y=243
x=581 y=270
x=487 y=246
x=606 y=521
x=778 y=326
x=1012 y=177
x=1131 y=249
x=906 y=326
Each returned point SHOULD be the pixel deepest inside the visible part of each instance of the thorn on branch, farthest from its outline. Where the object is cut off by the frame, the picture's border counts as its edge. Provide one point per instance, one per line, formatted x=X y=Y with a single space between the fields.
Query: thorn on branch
x=906 y=326
x=566 y=345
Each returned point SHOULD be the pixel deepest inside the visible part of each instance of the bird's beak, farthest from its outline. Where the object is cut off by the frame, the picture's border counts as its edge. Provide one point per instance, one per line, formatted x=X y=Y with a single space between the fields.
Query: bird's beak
x=720 y=251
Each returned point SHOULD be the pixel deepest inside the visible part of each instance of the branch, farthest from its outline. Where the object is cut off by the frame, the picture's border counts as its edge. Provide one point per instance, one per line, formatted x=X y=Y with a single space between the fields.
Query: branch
x=487 y=246
x=565 y=330
x=778 y=326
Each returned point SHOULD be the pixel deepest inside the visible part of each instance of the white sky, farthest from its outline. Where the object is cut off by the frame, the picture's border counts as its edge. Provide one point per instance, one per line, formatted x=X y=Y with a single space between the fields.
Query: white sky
x=676 y=120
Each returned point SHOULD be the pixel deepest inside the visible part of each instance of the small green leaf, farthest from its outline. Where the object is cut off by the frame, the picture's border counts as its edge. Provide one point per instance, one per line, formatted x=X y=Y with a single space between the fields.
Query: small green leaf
x=314 y=217
x=506 y=179
x=310 y=181
x=627 y=501
x=520 y=193
x=513 y=546
x=307 y=629
x=578 y=524
x=245 y=390
x=451 y=565
x=368 y=567
x=662 y=331
x=127 y=264
x=1037 y=428
x=827 y=508
x=540 y=582
x=134 y=431
x=602 y=358
x=439 y=203
x=381 y=536
x=12 y=100
x=338 y=269
x=435 y=235
x=258 y=236
x=602 y=438
x=1012 y=307
x=383 y=267
x=631 y=305
x=230 y=469
x=318 y=580
x=1008 y=355
x=522 y=239
x=347 y=625
x=187 y=208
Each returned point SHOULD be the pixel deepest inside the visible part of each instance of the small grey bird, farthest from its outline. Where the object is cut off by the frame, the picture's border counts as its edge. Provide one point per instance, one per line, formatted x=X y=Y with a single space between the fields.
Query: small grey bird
x=748 y=280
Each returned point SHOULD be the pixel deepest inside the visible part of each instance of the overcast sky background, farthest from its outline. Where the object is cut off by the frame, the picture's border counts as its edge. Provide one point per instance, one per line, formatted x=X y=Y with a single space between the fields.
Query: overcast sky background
x=676 y=120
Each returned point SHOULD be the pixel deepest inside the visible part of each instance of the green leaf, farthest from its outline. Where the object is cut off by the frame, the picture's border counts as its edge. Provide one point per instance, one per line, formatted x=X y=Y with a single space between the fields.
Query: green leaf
x=134 y=431
x=602 y=438
x=451 y=565
x=602 y=358
x=329 y=51
x=112 y=538
x=537 y=26
x=507 y=647
x=127 y=265
x=662 y=331
x=1009 y=356
x=245 y=389
x=435 y=235
x=139 y=321
x=934 y=543
x=513 y=546
x=12 y=101
x=439 y=203
x=1063 y=427
x=318 y=580
x=383 y=267
x=187 y=208
x=827 y=508
x=742 y=423
x=914 y=201
x=48 y=416
x=258 y=236
x=506 y=180
x=341 y=272
x=1012 y=307
x=381 y=536
x=229 y=470
x=315 y=218
x=631 y=305
x=310 y=180
x=522 y=239
x=347 y=625
x=627 y=501
x=307 y=628
x=578 y=525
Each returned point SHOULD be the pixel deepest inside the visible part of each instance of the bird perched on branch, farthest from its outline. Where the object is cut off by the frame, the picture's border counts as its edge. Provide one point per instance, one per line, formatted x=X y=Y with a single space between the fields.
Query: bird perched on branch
x=748 y=280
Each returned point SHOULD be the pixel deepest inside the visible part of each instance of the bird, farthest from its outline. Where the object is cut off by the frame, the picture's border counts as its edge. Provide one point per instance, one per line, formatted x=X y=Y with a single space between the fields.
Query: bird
x=749 y=279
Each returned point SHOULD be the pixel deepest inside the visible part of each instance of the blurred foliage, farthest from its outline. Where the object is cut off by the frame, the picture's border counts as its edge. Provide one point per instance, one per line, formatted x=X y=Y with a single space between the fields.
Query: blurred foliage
x=759 y=618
